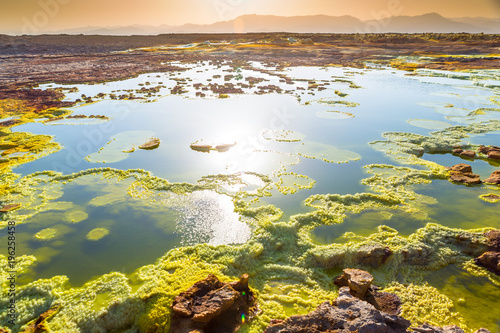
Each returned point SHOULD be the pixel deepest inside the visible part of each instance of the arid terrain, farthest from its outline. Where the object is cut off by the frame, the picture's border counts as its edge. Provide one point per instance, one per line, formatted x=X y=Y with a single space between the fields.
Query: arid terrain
x=66 y=58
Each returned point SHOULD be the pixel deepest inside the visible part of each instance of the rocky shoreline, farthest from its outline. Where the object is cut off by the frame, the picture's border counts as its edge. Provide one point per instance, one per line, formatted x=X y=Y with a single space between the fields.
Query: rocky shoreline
x=211 y=306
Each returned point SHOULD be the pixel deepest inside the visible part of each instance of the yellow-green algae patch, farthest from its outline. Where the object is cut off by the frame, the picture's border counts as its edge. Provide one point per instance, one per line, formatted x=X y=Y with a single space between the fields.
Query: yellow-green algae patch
x=18 y=148
x=97 y=234
x=405 y=147
x=490 y=197
x=424 y=303
x=334 y=115
x=289 y=183
x=46 y=234
x=120 y=144
x=428 y=124
x=283 y=135
x=75 y=216
x=325 y=152
x=338 y=103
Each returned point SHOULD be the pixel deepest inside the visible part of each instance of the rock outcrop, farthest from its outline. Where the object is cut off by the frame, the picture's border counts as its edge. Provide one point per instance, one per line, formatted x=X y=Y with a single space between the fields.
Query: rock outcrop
x=462 y=173
x=346 y=314
x=491 y=258
x=212 y=306
x=359 y=308
x=151 y=144
x=494 y=178
x=493 y=152
x=360 y=286
x=468 y=153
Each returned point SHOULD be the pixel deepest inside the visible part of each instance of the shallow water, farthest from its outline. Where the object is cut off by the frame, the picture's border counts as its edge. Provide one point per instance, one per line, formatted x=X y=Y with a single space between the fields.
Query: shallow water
x=325 y=153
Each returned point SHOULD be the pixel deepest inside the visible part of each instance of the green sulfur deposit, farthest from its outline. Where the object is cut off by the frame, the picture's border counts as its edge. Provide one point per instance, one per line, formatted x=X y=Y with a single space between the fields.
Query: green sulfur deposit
x=97 y=234
x=46 y=234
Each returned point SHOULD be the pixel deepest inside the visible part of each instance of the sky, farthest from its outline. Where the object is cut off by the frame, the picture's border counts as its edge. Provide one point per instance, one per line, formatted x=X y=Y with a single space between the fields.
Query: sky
x=38 y=16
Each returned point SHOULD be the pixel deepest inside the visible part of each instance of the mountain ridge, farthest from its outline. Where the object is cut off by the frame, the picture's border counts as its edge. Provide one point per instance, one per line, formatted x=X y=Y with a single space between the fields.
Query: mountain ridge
x=320 y=23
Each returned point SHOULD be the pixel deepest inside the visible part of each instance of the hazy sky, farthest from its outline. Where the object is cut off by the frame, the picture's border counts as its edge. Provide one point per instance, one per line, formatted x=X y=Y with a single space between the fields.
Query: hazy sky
x=51 y=15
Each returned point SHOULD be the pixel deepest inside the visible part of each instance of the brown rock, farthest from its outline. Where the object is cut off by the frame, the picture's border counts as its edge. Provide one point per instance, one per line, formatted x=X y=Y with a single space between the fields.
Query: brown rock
x=359 y=283
x=346 y=314
x=483 y=149
x=211 y=306
x=489 y=260
x=9 y=123
x=357 y=280
x=152 y=143
x=494 y=154
x=468 y=153
x=457 y=151
x=214 y=303
x=494 y=178
x=386 y=302
x=39 y=326
x=468 y=178
x=10 y=207
x=493 y=240
x=462 y=167
x=242 y=284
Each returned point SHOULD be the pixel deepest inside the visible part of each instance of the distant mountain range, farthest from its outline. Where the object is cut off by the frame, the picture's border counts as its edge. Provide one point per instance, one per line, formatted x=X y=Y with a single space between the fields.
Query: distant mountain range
x=312 y=24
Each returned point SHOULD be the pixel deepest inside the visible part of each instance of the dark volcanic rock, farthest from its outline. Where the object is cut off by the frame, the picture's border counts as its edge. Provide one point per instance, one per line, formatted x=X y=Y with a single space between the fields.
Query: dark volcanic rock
x=491 y=258
x=494 y=178
x=359 y=283
x=375 y=313
x=346 y=314
x=386 y=302
x=493 y=240
x=211 y=306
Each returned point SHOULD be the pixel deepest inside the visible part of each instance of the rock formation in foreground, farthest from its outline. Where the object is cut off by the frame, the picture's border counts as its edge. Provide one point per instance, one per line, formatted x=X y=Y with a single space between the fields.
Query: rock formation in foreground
x=360 y=286
x=359 y=308
x=491 y=258
x=346 y=314
x=212 y=306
